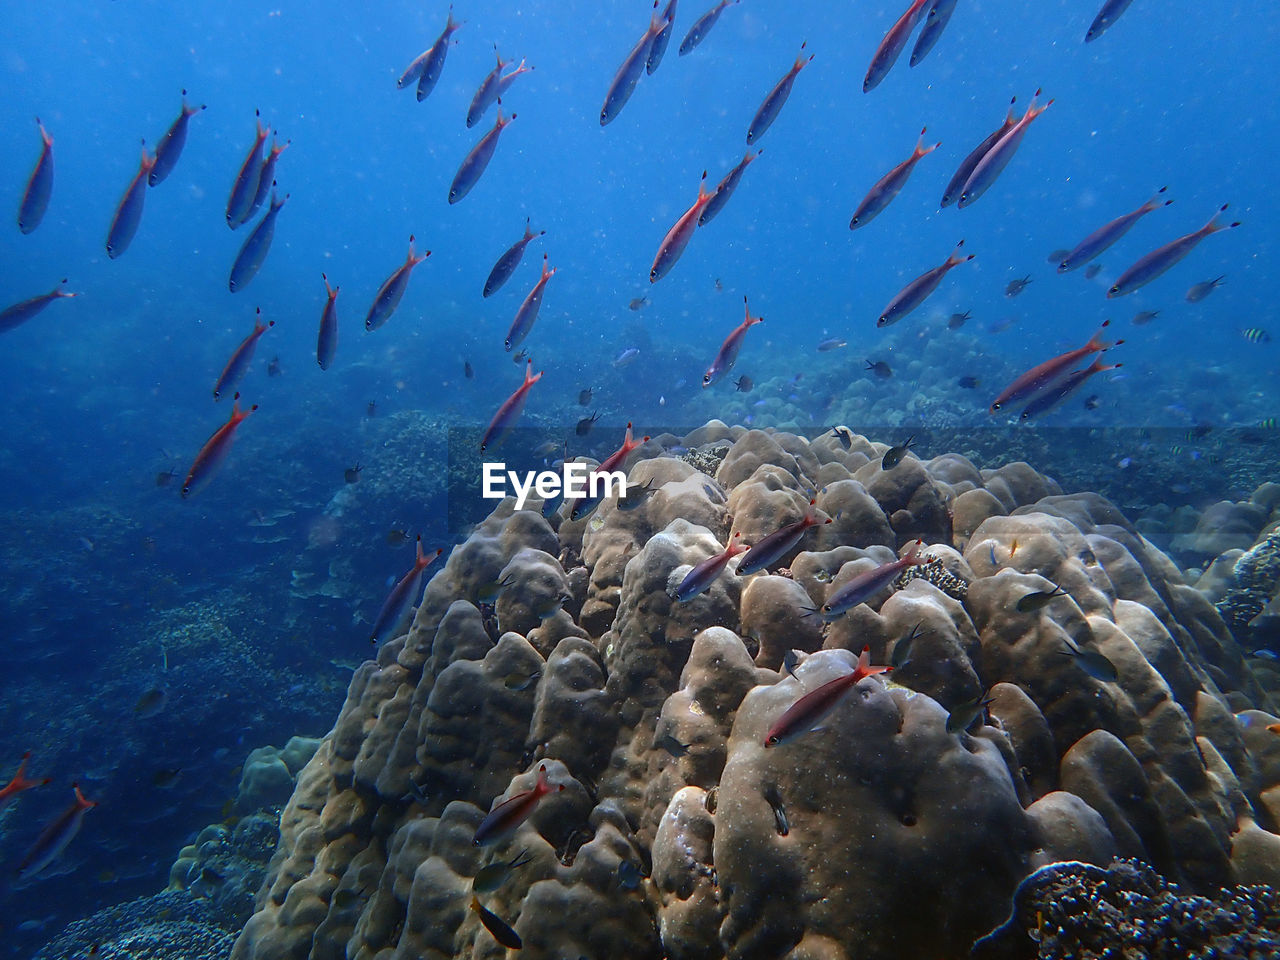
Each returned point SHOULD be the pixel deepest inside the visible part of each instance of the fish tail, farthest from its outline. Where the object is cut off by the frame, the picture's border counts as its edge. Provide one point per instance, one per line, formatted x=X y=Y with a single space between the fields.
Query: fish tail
x=912 y=556
x=921 y=149
x=1155 y=203
x=1096 y=343
x=1216 y=222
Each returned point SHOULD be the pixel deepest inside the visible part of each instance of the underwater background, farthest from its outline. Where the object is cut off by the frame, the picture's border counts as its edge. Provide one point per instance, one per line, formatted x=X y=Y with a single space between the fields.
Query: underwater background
x=153 y=640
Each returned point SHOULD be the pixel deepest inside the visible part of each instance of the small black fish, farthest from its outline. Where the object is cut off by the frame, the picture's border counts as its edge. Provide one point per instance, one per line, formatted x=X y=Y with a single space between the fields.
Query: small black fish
x=152 y=702
x=586 y=423
x=211 y=876
x=1015 y=287
x=1202 y=289
x=958 y=320
x=719 y=285
x=493 y=876
x=1092 y=402
x=893 y=456
x=1143 y=317
x=629 y=874
x=902 y=649
x=416 y=794
x=467 y=371
x=636 y=494
x=1092 y=270
x=520 y=357
x=774 y=799
x=584 y=397
x=372 y=409
x=1092 y=663
x=791 y=660
x=520 y=682
x=1034 y=601
x=835 y=343
x=273 y=367
x=398 y=538
x=844 y=436
x=880 y=369
x=638 y=303
x=352 y=474
x=968 y=383
x=166 y=778
x=744 y=384
x=962 y=717
x=496 y=926
x=163 y=478
x=673 y=746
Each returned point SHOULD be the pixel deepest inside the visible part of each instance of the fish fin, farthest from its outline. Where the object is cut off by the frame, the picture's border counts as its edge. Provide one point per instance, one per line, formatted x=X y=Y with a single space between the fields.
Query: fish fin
x=1215 y=222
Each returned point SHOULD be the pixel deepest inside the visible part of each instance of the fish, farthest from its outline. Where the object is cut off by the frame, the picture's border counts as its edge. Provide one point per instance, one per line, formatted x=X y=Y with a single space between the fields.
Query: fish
x=880 y=368
x=1092 y=270
x=245 y=187
x=673 y=746
x=327 y=339
x=241 y=357
x=743 y=384
x=636 y=494
x=637 y=303
x=510 y=410
x=1013 y=548
x=1162 y=258
x=772 y=548
x=891 y=46
x=497 y=927
x=467 y=371
x=701 y=27
x=519 y=682
x=918 y=290
x=520 y=357
x=628 y=75
x=169 y=147
x=165 y=477
x=810 y=710
x=777 y=98
x=527 y=313
x=968 y=383
x=1044 y=374
x=371 y=410
x=1096 y=243
x=956 y=184
x=151 y=702
x=19 y=313
x=678 y=236
x=1091 y=662
x=958 y=320
x=833 y=343
x=773 y=797
x=1143 y=317
x=998 y=157
x=56 y=836
x=658 y=48
x=273 y=367
x=728 y=354
x=1031 y=602
x=844 y=436
x=890 y=185
x=507 y=263
x=352 y=474
x=1108 y=15
x=214 y=452
x=625 y=357
x=584 y=397
x=392 y=289
x=129 y=213
x=1055 y=394
x=866 y=585
x=475 y=162
x=487 y=92
x=494 y=875
x=402 y=598
x=961 y=717
x=893 y=456
x=166 y=778
x=398 y=538
x=629 y=874
x=1202 y=289
x=902 y=649
x=585 y=424
x=724 y=189
x=266 y=178
x=1092 y=402
x=254 y=251
x=506 y=816
x=432 y=61
x=35 y=197
x=582 y=506
x=698 y=580
x=1256 y=335
x=1015 y=287
x=20 y=783
x=936 y=21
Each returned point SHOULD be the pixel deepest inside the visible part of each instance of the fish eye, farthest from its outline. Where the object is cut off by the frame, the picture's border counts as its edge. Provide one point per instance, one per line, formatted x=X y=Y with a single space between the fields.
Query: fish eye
x=996 y=406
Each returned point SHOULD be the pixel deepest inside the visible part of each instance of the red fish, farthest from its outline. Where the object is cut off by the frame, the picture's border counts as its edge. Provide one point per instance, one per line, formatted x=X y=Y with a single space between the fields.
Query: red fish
x=20 y=782
x=678 y=236
x=958 y=179
x=700 y=578
x=997 y=158
x=1060 y=391
x=515 y=810
x=475 y=162
x=56 y=836
x=725 y=188
x=918 y=290
x=327 y=341
x=582 y=506
x=35 y=199
x=892 y=45
x=628 y=75
x=20 y=313
x=241 y=357
x=1044 y=374
x=772 y=548
x=129 y=213
x=728 y=354
x=776 y=99
x=510 y=410
x=803 y=715
x=1161 y=259
x=402 y=598
x=169 y=148
x=214 y=452
x=245 y=189
x=888 y=186
x=528 y=312
x=392 y=289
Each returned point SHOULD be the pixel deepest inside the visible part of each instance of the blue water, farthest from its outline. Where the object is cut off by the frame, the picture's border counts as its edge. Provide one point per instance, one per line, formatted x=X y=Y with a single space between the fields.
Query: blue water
x=106 y=390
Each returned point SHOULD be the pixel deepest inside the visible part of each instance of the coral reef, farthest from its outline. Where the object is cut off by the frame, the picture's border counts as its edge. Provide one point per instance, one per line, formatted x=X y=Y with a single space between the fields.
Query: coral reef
x=1119 y=717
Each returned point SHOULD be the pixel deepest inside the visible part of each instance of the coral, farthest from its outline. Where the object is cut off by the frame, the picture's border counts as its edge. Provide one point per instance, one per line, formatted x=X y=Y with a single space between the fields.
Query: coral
x=1118 y=717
